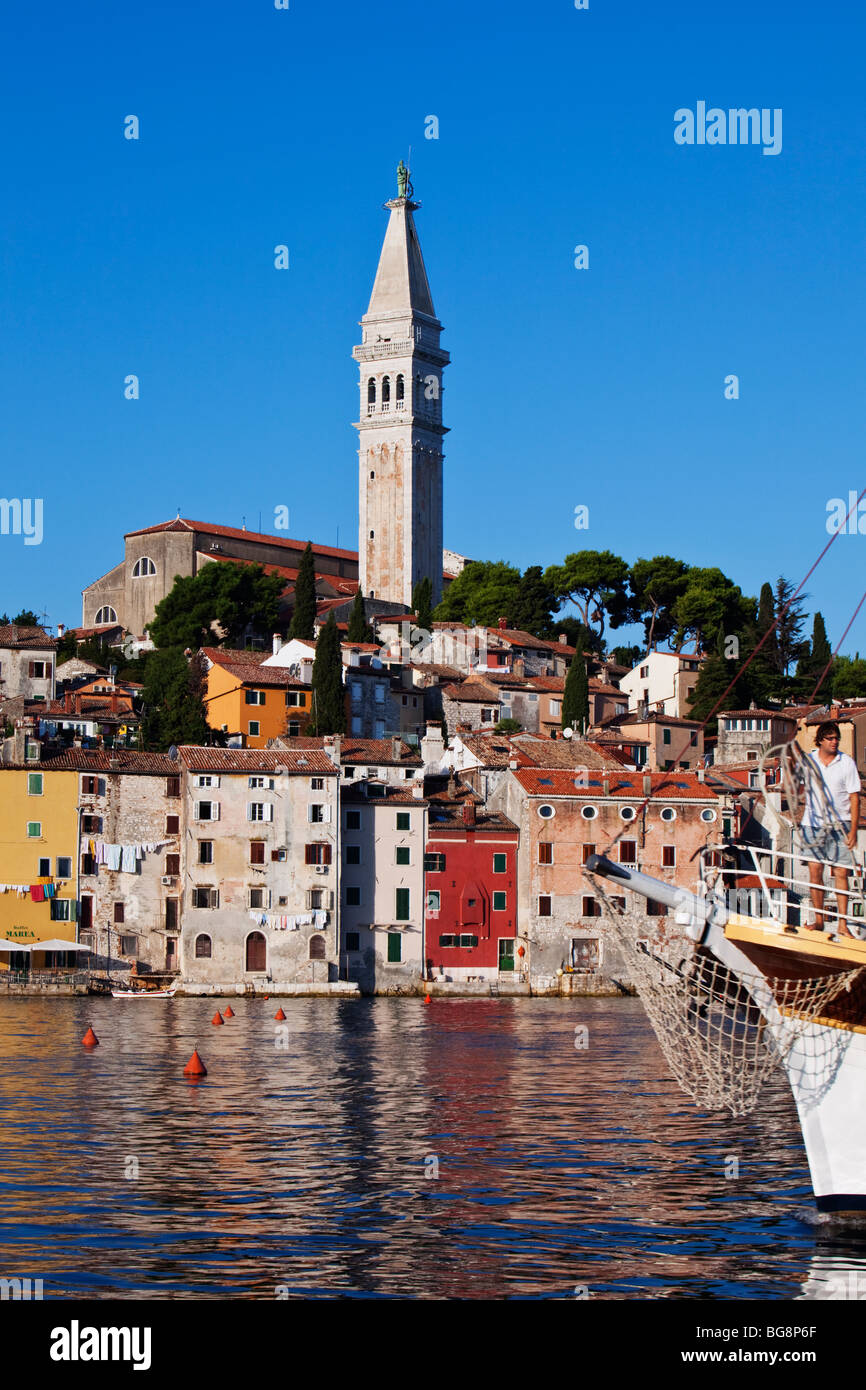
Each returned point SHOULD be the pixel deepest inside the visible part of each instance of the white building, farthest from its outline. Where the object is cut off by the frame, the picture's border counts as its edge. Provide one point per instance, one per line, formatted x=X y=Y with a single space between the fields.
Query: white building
x=662 y=682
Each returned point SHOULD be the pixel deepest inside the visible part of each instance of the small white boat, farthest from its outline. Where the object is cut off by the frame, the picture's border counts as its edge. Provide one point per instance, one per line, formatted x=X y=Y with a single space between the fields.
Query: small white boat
x=144 y=993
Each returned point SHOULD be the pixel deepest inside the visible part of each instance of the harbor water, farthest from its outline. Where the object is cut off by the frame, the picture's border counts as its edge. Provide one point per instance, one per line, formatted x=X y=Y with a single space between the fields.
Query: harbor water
x=391 y=1148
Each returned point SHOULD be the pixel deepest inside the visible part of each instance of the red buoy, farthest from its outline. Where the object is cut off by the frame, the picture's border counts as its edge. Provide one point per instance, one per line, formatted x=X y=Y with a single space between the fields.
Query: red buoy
x=217 y=1018
x=279 y=1013
x=90 y=1039
x=427 y=999
x=229 y=1012
x=195 y=1066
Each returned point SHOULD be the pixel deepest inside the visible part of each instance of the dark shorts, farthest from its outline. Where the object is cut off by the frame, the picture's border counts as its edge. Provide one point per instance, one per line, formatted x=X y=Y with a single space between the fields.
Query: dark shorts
x=826 y=843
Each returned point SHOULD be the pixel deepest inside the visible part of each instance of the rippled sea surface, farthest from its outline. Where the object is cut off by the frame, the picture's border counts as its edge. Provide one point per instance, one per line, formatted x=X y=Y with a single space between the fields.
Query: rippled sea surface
x=462 y=1148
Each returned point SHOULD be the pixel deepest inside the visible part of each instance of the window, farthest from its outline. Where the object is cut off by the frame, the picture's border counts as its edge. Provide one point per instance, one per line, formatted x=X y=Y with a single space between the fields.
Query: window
x=119 y=912
x=318 y=814
x=91 y=825
x=401 y=907
x=654 y=909
x=353 y=854
x=353 y=896
x=402 y=855
x=587 y=852
x=448 y=940
x=128 y=945
x=260 y=810
x=488 y=716
x=257 y=851
x=143 y=567
x=353 y=941
x=104 y=616
x=34 y=784
x=357 y=724
x=317 y=784
x=205 y=780
x=204 y=897
x=380 y=693
x=590 y=907
x=628 y=851
x=261 y=784
x=315 y=898
x=293 y=697
x=348 y=772
x=44 y=868
x=468 y=941
x=708 y=814
x=395 y=947
x=254 y=697
x=499 y=864
x=205 y=852
x=589 y=812
x=171 y=914
x=499 y=900
x=294 y=728
x=546 y=812
x=64 y=868
x=172 y=786
x=259 y=897
x=668 y=813
x=34 y=830
x=356 y=691
x=62 y=910
x=669 y=856
x=318 y=949
x=545 y=905
x=317 y=853
x=172 y=864
x=203 y=947
x=88 y=864
x=627 y=813
x=253 y=728
x=434 y=900
x=207 y=810
x=90 y=786
x=371 y=391
x=555 y=709
x=644 y=672
x=434 y=863
x=403 y=820
x=353 y=820
x=172 y=825
x=666 y=735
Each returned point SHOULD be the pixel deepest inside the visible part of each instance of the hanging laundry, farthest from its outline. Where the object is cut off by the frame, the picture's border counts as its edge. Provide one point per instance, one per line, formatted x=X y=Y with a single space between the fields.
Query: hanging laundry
x=37 y=892
x=129 y=859
x=50 y=890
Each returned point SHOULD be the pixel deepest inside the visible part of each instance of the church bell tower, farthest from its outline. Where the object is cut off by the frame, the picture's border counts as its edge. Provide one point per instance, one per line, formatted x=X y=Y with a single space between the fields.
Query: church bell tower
x=400 y=426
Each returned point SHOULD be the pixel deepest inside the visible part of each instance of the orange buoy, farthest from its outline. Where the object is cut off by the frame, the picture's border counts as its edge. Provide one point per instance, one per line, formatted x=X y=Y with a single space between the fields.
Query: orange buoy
x=267 y=996
x=427 y=999
x=279 y=1013
x=195 y=1066
x=229 y=1012
x=217 y=1018
x=90 y=1039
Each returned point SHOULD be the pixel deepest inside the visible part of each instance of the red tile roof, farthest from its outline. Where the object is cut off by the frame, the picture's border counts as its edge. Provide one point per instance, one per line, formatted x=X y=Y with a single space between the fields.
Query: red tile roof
x=358 y=750
x=12 y=635
x=206 y=528
x=104 y=760
x=244 y=760
x=666 y=786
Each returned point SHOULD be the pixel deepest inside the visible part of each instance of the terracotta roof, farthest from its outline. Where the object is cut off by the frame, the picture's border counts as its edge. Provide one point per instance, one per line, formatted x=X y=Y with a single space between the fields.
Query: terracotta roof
x=666 y=786
x=355 y=792
x=563 y=752
x=357 y=750
x=243 y=760
x=598 y=687
x=13 y=636
x=471 y=691
x=494 y=750
x=234 y=655
x=286 y=572
x=206 y=528
x=82 y=633
x=434 y=669
x=102 y=760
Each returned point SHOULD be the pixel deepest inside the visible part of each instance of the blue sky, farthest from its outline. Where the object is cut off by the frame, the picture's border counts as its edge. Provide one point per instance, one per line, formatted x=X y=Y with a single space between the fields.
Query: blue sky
x=602 y=387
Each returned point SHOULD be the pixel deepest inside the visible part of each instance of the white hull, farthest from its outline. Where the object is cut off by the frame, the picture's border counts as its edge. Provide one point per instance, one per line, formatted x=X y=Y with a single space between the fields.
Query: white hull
x=142 y=993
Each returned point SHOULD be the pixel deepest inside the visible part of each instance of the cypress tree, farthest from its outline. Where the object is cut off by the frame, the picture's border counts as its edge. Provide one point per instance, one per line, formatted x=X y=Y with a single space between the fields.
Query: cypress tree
x=304 y=616
x=814 y=664
x=359 y=629
x=575 y=698
x=422 y=604
x=329 y=709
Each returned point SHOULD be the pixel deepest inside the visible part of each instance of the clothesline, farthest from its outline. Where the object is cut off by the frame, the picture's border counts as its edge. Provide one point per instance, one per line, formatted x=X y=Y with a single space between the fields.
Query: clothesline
x=290 y=921
x=124 y=858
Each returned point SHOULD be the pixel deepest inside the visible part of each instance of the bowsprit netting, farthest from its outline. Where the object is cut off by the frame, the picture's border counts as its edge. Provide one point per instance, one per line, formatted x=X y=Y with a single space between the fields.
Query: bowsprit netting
x=711 y=1023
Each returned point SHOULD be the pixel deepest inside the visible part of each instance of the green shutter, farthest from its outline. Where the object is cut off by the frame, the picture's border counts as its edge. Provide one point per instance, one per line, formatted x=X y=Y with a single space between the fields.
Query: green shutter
x=402 y=910
x=402 y=855
x=34 y=784
x=498 y=902
x=403 y=822
x=395 y=944
x=499 y=863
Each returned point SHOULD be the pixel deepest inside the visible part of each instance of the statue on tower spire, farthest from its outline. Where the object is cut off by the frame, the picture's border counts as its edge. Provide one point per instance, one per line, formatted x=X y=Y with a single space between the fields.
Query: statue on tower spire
x=404 y=183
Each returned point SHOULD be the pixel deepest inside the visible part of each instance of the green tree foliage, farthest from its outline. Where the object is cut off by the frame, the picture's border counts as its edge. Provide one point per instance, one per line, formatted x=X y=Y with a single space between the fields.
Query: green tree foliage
x=304 y=615
x=329 y=708
x=483 y=592
x=508 y=726
x=711 y=609
x=790 y=620
x=173 y=700
x=595 y=582
x=575 y=699
x=626 y=656
x=359 y=629
x=848 y=678
x=576 y=635
x=26 y=618
x=655 y=587
x=814 y=664
x=533 y=609
x=240 y=599
x=716 y=675
x=422 y=603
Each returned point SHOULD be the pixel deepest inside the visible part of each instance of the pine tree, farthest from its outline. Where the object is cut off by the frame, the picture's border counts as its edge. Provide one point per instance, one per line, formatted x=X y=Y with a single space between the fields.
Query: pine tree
x=575 y=698
x=304 y=616
x=716 y=675
x=359 y=629
x=329 y=709
x=422 y=604
x=173 y=699
x=789 y=627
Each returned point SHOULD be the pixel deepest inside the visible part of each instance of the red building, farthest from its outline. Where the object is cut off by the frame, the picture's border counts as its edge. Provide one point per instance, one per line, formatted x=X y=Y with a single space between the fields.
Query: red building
x=470 y=865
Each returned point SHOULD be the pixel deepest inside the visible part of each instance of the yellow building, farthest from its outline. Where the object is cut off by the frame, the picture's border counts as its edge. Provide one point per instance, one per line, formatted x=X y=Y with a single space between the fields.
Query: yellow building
x=258 y=702
x=38 y=851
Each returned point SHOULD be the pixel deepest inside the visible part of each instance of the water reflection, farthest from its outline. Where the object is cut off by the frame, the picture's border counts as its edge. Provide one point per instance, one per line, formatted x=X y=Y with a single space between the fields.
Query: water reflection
x=309 y=1157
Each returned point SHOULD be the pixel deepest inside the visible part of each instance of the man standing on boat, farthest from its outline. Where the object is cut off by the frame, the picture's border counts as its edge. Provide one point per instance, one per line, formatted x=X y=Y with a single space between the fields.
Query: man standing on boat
x=830 y=821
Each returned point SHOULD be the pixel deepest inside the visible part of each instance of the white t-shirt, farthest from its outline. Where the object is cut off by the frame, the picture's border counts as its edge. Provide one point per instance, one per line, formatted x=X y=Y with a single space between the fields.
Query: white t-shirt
x=841 y=778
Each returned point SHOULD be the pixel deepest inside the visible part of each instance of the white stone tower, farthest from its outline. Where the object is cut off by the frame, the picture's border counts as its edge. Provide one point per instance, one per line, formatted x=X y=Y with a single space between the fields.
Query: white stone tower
x=400 y=426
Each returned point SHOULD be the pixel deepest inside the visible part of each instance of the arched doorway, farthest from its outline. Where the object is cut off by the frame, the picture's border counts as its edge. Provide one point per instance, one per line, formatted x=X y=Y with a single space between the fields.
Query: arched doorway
x=257 y=954
x=318 y=950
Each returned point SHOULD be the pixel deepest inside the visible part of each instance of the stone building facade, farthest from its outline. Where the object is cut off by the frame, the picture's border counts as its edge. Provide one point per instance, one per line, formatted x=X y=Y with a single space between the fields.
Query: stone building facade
x=27 y=667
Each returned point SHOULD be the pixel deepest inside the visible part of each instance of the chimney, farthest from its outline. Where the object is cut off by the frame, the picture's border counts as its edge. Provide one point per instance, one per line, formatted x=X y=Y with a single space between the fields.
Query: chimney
x=563 y=637
x=468 y=812
x=701 y=774
x=418 y=790
x=396 y=748
x=432 y=748
x=114 y=702
x=276 y=643
x=332 y=744
x=67 y=702
x=605 y=786
x=61 y=630
x=503 y=624
x=519 y=667
x=647 y=784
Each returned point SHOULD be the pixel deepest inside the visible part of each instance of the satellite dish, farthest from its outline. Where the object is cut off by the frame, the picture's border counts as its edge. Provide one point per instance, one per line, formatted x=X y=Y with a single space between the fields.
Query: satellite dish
x=568 y=733
x=294 y=669
x=172 y=753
